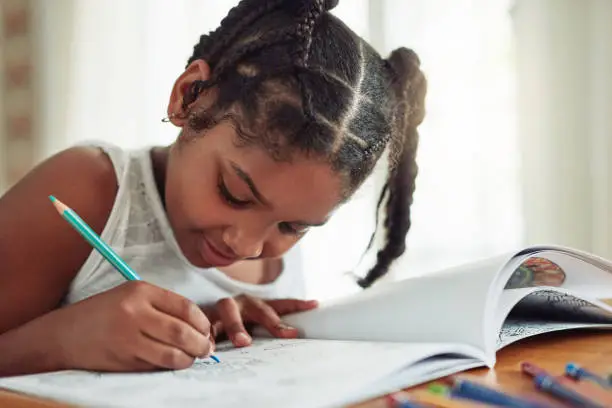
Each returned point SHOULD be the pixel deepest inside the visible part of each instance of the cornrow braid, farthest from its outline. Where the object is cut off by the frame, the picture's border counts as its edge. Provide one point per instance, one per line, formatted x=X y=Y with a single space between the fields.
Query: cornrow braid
x=236 y=55
x=238 y=18
x=377 y=146
x=409 y=88
x=311 y=13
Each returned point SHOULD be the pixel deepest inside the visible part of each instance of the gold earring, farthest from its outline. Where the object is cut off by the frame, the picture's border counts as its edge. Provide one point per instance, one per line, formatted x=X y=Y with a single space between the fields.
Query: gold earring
x=167 y=119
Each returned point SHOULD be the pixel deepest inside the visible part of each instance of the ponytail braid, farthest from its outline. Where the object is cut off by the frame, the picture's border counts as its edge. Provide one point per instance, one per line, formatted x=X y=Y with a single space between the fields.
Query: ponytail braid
x=408 y=88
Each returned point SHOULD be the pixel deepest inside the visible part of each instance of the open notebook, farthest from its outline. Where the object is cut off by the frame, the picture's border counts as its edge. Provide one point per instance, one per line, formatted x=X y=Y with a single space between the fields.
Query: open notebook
x=388 y=337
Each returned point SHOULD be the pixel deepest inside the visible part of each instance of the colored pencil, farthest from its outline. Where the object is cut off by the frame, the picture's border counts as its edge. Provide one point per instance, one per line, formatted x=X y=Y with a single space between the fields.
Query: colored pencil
x=97 y=243
x=548 y=384
x=470 y=391
x=582 y=387
x=579 y=373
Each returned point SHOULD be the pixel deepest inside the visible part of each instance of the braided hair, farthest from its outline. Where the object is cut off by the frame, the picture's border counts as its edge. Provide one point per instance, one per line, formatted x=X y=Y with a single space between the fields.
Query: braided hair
x=291 y=77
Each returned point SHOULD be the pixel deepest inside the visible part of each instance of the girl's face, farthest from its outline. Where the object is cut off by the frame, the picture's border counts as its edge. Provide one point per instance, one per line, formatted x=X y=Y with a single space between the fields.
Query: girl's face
x=226 y=203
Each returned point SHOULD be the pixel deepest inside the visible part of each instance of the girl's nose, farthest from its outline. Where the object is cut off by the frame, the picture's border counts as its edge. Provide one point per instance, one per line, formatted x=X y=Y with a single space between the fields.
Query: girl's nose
x=245 y=245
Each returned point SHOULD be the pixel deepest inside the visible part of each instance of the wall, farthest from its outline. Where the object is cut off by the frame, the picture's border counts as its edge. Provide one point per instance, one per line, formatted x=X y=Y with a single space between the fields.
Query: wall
x=18 y=98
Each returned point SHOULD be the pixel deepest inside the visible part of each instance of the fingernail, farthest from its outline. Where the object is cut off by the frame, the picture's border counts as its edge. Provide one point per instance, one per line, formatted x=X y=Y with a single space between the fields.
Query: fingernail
x=283 y=326
x=242 y=339
x=212 y=343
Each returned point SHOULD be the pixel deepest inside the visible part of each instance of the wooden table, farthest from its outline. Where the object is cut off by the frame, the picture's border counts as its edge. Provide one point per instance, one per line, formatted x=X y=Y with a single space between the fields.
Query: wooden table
x=592 y=350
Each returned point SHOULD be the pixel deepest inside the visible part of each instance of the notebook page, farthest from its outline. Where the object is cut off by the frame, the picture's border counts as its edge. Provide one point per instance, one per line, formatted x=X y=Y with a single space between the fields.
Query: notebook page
x=270 y=373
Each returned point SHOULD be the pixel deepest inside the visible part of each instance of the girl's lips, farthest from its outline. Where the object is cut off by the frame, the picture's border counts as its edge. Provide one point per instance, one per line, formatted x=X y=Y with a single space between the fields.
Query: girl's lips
x=213 y=256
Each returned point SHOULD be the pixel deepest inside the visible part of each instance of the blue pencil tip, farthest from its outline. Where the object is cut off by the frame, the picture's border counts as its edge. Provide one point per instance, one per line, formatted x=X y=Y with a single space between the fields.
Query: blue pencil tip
x=542 y=381
x=571 y=367
x=53 y=199
x=215 y=358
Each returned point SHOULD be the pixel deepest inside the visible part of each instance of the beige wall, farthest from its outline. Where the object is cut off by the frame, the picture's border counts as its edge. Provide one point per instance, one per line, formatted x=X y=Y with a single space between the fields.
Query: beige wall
x=18 y=107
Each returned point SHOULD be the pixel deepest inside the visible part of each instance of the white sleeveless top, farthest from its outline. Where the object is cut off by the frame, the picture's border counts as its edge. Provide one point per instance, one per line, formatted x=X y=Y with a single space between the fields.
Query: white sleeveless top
x=139 y=231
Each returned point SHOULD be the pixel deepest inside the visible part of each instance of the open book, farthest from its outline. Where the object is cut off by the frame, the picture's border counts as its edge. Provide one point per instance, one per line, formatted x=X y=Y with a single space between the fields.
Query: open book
x=388 y=337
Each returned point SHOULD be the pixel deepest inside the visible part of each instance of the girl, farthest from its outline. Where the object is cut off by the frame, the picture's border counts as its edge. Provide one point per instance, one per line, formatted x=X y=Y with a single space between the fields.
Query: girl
x=283 y=112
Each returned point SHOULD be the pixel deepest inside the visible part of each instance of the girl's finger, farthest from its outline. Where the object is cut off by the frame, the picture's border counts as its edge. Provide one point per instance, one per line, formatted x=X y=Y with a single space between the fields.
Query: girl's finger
x=286 y=306
x=258 y=311
x=172 y=304
x=230 y=315
x=175 y=333
x=216 y=330
x=162 y=355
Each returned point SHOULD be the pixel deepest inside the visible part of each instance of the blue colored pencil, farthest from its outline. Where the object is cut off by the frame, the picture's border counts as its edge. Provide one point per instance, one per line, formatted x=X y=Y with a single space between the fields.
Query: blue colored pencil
x=97 y=243
x=470 y=390
x=548 y=384
x=579 y=373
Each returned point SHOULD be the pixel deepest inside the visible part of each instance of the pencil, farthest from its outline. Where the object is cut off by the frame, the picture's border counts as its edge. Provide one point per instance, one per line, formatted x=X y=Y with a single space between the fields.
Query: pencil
x=581 y=387
x=575 y=371
x=90 y=236
x=554 y=388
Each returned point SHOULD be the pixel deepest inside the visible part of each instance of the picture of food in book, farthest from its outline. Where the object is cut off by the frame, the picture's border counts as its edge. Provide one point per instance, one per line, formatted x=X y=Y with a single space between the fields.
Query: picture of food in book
x=536 y=272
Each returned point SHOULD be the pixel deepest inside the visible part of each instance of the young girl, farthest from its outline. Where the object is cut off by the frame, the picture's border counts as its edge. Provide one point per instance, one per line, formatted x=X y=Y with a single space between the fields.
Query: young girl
x=283 y=112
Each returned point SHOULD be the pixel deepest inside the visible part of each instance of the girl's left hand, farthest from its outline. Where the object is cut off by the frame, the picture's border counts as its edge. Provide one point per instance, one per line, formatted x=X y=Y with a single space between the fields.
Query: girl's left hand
x=229 y=316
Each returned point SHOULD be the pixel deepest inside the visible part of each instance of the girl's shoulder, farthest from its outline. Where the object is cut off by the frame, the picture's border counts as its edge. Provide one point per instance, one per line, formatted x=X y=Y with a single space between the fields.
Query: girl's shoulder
x=117 y=157
x=84 y=175
x=40 y=252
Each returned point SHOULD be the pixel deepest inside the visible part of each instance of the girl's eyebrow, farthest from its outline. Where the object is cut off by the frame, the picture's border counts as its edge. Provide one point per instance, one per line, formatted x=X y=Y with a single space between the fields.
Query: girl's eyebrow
x=249 y=182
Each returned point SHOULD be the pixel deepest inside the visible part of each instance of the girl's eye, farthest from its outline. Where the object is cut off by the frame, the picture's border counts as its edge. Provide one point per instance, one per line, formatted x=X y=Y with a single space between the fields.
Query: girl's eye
x=288 y=228
x=229 y=197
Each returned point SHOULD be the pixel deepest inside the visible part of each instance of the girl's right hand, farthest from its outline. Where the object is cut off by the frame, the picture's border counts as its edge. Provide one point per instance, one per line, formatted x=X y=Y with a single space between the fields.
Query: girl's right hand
x=133 y=327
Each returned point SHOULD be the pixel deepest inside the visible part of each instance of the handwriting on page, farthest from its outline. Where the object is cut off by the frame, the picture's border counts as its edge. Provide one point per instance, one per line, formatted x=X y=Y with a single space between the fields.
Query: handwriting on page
x=243 y=363
x=271 y=372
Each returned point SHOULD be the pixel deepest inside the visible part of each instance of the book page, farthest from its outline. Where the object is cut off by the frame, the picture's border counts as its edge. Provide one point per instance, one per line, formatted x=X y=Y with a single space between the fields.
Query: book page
x=514 y=330
x=529 y=312
x=561 y=306
x=269 y=373
x=553 y=273
x=446 y=307
x=562 y=270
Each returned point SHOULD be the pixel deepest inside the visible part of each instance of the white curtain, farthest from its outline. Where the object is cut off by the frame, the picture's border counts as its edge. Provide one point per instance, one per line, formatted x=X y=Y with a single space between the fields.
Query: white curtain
x=564 y=50
x=110 y=64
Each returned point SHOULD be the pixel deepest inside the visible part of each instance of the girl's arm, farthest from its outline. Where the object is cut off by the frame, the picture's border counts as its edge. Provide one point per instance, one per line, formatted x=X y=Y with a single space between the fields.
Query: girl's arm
x=40 y=253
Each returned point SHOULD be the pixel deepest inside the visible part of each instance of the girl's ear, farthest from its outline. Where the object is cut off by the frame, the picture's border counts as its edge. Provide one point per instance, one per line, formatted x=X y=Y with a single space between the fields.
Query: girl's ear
x=198 y=70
